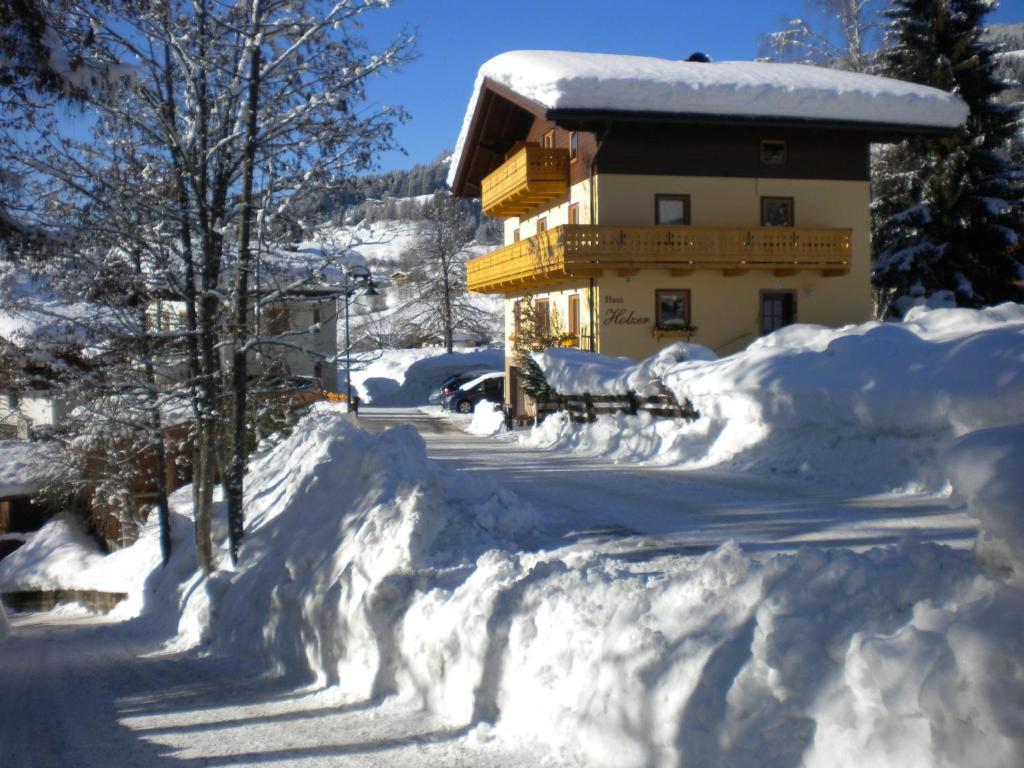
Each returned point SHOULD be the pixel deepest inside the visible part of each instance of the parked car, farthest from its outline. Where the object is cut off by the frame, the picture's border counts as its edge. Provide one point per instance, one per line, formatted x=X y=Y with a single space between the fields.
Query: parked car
x=452 y=383
x=488 y=386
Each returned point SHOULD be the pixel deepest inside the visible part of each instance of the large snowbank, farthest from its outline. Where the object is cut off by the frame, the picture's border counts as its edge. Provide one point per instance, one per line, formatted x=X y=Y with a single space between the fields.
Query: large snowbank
x=369 y=569
x=606 y=82
x=409 y=376
x=866 y=406
x=986 y=470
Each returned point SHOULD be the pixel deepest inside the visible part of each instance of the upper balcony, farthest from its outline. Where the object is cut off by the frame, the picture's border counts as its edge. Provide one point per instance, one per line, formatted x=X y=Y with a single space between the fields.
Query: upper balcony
x=531 y=177
x=579 y=251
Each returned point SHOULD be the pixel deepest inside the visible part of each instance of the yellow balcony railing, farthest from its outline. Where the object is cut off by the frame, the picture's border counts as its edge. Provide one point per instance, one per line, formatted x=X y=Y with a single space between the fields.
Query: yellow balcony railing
x=579 y=251
x=528 y=179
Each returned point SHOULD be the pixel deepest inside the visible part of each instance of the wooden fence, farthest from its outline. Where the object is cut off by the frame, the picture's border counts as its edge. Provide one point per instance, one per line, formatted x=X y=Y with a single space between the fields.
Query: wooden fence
x=585 y=408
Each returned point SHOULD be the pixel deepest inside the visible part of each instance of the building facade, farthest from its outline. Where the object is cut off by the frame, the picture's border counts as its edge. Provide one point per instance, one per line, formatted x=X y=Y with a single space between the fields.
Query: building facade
x=641 y=210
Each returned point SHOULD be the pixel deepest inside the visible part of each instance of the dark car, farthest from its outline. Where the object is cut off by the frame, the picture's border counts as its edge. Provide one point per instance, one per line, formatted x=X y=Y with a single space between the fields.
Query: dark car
x=451 y=384
x=488 y=386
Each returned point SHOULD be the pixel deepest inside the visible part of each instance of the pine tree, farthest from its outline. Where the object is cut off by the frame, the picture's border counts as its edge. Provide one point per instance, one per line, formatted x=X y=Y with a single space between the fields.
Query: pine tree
x=948 y=215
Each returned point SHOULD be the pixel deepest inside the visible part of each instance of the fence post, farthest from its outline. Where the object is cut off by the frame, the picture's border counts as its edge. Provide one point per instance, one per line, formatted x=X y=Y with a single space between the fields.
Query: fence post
x=634 y=402
x=588 y=401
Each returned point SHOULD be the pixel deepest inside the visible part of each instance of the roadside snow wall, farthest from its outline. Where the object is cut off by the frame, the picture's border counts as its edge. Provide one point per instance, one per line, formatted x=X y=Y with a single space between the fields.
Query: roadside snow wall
x=865 y=406
x=369 y=569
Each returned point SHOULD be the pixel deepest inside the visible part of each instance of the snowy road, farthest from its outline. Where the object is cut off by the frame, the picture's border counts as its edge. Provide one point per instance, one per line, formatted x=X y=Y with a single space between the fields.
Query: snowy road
x=81 y=693
x=653 y=509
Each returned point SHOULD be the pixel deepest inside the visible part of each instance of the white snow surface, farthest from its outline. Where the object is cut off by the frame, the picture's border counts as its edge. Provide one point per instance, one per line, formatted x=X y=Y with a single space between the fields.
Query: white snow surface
x=985 y=467
x=866 y=406
x=26 y=467
x=61 y=556
x=371 y=571
x=598 y=81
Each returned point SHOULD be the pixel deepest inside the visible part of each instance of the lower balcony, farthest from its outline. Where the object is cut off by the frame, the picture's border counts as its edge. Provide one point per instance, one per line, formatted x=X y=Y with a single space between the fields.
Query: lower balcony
x=580 y=251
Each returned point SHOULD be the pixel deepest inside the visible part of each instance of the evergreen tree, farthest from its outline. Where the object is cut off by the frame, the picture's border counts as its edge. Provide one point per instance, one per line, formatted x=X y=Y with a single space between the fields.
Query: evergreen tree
x=948 y=215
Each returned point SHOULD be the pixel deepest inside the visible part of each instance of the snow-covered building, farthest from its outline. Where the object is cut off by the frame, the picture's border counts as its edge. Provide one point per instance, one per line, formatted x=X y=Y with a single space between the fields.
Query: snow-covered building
x=648 y=201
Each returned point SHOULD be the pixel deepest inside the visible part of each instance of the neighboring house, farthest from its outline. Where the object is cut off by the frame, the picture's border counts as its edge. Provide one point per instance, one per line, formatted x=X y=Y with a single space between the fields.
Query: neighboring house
x=648 y=201
x=298 y=333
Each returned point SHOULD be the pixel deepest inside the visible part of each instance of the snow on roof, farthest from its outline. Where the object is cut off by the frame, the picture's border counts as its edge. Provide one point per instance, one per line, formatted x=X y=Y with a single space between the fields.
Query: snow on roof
x=479 y=379
x=26 y=467
x=606 y=82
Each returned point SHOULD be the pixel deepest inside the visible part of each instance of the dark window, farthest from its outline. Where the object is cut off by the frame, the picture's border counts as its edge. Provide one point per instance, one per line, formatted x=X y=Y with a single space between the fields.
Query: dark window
x=773 y=153
x=672 y=209
x=542 y=316
x=574 y=315
x=542 y=225
x=574 y=147
x=574 y=213
x=549 y=139
x=276 y=319
x=673 y=308
x=776 y=211
x=778 y=308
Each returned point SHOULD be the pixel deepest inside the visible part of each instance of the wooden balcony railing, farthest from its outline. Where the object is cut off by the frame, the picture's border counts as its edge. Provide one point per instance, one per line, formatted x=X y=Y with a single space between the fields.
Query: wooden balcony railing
x=579 y=251
x=530 y=178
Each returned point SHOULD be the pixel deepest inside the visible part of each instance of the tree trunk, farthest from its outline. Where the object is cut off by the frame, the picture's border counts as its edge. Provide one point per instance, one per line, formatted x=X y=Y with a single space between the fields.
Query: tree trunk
x=235 y=481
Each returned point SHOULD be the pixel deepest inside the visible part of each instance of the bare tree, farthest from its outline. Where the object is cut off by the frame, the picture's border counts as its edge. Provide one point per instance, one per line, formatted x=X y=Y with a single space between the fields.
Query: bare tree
x=839 y=33
x=440 y=303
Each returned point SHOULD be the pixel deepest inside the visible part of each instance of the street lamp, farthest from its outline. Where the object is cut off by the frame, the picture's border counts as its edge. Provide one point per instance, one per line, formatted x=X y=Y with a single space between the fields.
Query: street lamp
x=363 y=279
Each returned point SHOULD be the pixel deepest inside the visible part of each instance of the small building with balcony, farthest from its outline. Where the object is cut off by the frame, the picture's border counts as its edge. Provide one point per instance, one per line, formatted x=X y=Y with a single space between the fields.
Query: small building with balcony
x=648 y=201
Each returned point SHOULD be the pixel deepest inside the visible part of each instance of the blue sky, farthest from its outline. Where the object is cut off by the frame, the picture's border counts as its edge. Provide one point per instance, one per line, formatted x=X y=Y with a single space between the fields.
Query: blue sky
x=456 y=36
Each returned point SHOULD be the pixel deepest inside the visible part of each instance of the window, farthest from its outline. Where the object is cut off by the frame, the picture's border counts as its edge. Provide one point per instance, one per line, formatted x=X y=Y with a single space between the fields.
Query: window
x=515 y=235
x=549 y=139
x=542 y=224
x=574 y=315
x=574 y=213
x=542 y=316
x=672 y=209
x=778 y=308
x=574 y=146
x=517 y=317
x=673 y=308
x=276 y=319
x=776 y=211
x=773 y=152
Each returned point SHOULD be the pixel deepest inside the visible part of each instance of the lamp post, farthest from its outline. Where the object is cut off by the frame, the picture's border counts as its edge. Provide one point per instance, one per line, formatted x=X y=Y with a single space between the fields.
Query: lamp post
x=365 y=280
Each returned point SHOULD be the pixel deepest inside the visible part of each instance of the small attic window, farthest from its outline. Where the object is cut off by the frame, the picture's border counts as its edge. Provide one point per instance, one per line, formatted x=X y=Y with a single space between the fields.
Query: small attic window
x=773 y=152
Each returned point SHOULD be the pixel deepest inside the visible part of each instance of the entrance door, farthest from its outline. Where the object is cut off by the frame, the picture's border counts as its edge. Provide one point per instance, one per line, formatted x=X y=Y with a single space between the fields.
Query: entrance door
x=778 y=308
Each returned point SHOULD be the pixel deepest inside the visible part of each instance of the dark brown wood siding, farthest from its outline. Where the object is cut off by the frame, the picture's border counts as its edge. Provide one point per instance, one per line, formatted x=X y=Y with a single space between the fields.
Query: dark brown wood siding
x=586 y=147
x=704 y=150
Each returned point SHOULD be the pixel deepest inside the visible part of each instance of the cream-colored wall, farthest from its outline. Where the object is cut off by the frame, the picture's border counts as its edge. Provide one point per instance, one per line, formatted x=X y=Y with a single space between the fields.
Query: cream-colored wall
x=557 y=215
x=725 y=310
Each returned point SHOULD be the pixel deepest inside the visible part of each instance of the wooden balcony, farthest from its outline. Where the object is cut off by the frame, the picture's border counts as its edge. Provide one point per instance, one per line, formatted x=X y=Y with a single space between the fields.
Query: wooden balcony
x=531 y=177
x=579 y=251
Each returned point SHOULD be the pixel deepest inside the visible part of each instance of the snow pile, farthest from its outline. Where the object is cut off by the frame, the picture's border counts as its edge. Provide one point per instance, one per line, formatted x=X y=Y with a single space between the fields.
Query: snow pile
x=369 y=569
x=985 y=468
x=26 y=468
x=866 y=406
x=409 y=376
x=60 y=556
x=488 y=419
x=342 y=527
x=596 y=81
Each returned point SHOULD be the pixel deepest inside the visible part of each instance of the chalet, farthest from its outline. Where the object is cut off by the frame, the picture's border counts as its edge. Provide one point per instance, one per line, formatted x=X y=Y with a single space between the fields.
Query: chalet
x=648 y=201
